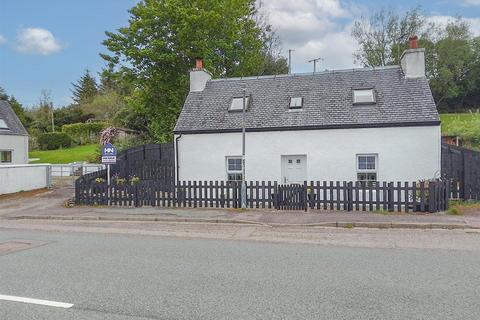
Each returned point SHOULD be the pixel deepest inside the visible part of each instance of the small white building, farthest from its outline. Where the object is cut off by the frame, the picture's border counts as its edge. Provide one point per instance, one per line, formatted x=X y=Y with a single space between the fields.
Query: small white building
x=13 y=137
x=371 y=124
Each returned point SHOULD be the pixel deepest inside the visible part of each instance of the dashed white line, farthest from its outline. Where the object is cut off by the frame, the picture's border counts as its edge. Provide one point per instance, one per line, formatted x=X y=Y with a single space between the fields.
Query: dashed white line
x=36 y=301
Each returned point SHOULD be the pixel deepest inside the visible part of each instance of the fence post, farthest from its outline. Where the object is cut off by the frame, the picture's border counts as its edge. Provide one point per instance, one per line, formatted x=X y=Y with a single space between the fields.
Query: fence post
x=304 y=196
x=432 y=187
x=135 y=196
x=275 y=195
x=350 y=196
x=447 y=194
x=391 y=198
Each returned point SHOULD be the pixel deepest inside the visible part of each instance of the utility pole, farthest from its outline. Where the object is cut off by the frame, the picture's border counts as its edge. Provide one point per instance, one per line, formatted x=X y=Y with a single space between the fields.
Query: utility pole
x=290 y=60
x=244 y=186
x=315 y=63
x=53 y=121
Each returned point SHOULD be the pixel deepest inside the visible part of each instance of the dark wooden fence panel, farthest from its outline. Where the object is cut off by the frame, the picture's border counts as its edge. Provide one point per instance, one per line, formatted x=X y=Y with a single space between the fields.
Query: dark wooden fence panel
x=333 y=195
x=146 y=161
x=462 y=167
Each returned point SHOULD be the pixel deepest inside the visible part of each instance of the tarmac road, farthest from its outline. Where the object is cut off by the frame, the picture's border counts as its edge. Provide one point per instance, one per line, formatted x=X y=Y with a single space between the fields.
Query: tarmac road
x=118 y=276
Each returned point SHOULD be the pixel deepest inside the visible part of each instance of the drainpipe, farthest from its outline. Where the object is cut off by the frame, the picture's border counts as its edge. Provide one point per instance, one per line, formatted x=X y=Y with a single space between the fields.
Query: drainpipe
x=176 y=157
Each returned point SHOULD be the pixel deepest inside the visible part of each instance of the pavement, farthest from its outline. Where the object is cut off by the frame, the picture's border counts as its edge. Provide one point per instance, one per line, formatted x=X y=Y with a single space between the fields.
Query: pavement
x=127 y=276
x=52 y=205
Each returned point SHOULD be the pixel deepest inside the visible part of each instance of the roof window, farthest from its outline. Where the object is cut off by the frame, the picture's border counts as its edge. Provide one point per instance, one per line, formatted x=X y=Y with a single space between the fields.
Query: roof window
x=363 y=96
x=3 y=124
x=237 y=103
x=296 y=103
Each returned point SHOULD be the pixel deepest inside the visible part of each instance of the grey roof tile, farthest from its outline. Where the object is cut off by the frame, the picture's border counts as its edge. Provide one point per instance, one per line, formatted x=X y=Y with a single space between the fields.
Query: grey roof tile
x=328 y=101
x=15 y=127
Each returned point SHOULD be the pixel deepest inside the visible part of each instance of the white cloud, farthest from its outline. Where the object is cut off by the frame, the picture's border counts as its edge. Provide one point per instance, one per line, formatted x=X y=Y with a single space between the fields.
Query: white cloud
x=37 y=41
x=443 y=20
x=2 y=39
x=471 y=2
x=313 y=28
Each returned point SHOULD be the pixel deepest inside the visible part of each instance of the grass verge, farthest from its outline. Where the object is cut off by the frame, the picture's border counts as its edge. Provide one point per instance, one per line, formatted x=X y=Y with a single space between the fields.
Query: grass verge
x=79 y=153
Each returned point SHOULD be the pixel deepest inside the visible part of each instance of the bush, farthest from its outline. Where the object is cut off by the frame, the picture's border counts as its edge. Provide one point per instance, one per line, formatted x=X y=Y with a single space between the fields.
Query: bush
x=83 y=133
x=54 y=140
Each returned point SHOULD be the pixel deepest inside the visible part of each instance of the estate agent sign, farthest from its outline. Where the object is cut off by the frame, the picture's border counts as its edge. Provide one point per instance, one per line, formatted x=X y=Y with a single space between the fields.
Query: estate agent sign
x=109 y=154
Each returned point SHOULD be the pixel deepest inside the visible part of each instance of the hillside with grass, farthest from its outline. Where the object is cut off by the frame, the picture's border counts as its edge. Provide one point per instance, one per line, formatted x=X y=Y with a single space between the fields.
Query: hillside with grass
x=67 y=155
x=464 y=125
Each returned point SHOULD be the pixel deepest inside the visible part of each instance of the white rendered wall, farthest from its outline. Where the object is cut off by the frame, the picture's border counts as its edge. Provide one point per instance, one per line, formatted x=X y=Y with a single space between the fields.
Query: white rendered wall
x=404 y=153
x=15 y=178
x=18 y=145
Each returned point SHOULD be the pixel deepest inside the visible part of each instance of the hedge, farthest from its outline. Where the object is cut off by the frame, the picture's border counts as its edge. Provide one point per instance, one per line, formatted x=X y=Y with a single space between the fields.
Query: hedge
x=54 y=140
x=83 y=133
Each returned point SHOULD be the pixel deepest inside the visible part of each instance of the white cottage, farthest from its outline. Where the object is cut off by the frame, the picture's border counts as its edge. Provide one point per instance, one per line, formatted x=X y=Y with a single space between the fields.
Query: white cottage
x=13 y=137
x=372 y=124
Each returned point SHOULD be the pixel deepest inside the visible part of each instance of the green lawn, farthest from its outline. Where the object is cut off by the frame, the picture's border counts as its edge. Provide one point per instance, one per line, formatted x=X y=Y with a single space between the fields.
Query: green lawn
x=80 y=153
x=451 y=121
x=464 y=125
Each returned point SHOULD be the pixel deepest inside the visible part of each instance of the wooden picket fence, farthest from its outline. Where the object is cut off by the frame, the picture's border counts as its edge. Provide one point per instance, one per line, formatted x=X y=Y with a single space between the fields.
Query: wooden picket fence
x=429 y=196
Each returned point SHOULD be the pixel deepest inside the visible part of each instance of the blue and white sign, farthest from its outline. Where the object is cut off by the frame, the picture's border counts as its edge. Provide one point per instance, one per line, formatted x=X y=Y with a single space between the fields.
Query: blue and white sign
x=109 y=154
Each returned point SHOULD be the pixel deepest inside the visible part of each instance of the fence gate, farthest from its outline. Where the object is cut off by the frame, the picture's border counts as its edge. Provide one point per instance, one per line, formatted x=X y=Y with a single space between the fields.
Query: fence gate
x=291 y=197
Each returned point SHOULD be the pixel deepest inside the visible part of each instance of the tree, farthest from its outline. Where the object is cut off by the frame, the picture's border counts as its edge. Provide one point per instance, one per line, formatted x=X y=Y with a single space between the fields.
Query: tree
x=85 y=89
x=42 y=114
x=16 y=106
x=382 y=36
x=164 y=37
x=70 y=114
x=454 y=58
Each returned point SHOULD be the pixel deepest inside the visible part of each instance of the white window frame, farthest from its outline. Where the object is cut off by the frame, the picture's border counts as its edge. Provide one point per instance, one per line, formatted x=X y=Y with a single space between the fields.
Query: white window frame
x=229 y=171
x=239 y=107
x=371 y=90
x=367 y=171
x=11 y=157
x=3 y=124
x=295 y=106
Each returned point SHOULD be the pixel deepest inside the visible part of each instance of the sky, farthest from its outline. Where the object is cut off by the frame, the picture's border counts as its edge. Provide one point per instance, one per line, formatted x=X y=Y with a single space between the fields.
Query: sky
x=48 y=44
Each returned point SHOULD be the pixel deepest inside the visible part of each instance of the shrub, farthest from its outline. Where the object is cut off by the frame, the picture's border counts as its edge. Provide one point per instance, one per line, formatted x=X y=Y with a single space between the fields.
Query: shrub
x=54 y=140
x=83 y=133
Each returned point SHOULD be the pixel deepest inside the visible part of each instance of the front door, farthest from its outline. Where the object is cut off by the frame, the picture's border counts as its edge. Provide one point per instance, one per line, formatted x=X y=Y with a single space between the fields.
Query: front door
x=294 y=169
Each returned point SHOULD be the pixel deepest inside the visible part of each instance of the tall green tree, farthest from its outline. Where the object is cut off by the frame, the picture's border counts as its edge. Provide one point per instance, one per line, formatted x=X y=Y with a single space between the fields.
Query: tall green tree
x=164 y=37
x=85 y=89
x=454 y=58
x=383 y=35
x=452 y=55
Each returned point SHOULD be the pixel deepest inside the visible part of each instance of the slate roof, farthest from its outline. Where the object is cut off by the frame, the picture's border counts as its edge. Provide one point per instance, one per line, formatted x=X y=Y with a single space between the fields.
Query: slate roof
x=15 y=127
x=327 y=102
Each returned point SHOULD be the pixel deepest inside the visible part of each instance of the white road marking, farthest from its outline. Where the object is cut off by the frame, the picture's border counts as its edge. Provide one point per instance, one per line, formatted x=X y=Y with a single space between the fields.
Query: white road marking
x=37 y=301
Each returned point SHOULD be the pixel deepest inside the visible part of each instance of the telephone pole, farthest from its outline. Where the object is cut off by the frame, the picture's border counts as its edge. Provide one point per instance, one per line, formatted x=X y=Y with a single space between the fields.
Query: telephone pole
x=315 y=63
x=290 y=60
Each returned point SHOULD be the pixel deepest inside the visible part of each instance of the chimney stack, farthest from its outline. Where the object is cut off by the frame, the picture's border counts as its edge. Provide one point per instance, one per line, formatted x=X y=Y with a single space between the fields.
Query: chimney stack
x=199 y=76
x=413 y=60
x=198 y=63
x=413 y=42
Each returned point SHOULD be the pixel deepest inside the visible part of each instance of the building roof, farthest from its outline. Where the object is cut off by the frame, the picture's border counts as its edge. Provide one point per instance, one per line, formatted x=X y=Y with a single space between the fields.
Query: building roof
x=14 y=125
x=327 y=102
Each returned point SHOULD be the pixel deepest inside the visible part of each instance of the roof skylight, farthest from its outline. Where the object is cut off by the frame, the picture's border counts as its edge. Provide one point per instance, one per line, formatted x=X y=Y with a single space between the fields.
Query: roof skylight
x=363 y=96
x=237 y=103
x=3 y=124
x=296 y=103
